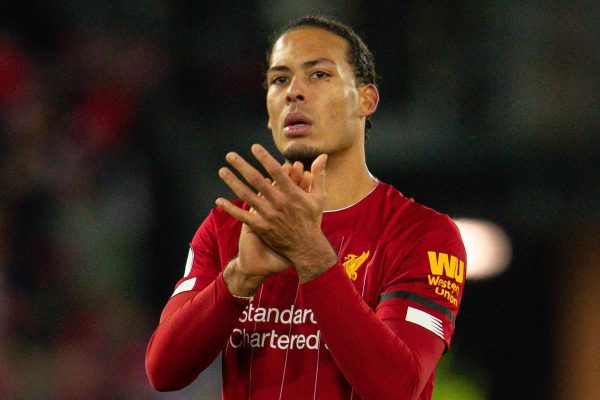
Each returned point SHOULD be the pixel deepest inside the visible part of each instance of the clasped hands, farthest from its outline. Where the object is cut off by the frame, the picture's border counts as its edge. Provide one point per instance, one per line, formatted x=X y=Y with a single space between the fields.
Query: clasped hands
x=283 y=226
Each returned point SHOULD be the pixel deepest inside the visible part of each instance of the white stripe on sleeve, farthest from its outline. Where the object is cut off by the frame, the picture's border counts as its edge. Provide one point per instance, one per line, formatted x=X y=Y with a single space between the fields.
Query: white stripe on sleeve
x=184 y=286
x=425 y=320
x=189 y=262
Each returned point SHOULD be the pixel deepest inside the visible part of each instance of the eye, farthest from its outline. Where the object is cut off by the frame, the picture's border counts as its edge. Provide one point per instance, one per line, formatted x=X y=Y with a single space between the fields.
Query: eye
x=278 y=80
x=320 y=74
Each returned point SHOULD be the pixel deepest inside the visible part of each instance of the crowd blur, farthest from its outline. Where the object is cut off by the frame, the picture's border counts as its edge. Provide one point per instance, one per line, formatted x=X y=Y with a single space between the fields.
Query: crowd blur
x=114 y=117
x=75 y=213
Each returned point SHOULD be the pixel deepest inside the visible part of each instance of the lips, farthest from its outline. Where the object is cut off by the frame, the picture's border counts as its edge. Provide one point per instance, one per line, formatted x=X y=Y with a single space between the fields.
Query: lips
x=296 y=124
x=296 y=118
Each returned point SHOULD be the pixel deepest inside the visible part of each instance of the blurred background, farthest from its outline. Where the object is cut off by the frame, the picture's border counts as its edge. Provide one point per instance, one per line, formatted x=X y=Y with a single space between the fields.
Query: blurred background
x=115 y=116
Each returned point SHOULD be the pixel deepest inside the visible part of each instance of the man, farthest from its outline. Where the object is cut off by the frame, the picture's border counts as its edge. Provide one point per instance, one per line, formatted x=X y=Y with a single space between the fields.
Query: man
x=325 y=284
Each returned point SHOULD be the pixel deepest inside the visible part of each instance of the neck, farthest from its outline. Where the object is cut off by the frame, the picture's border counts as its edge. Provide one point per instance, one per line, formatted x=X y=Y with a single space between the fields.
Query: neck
x=347 y=180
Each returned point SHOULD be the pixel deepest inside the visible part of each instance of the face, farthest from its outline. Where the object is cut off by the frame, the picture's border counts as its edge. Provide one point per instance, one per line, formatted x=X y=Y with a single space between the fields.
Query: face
x=313 y=101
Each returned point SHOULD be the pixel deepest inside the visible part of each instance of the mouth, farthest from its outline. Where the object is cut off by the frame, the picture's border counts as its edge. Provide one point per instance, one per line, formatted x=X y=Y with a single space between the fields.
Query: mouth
x=296 y=124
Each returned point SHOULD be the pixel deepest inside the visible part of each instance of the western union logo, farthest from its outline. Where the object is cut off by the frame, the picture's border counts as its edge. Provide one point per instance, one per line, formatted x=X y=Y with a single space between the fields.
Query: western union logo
x=451 y=266
x=353 y=262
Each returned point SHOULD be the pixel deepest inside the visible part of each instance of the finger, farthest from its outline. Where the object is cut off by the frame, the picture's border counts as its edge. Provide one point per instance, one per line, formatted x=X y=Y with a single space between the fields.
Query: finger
x=304 y=183
x=239 y=188
x=296 y=173
x=246 y=217
x=287 y=168
x=273 y=167
x=317 y=169
x=270 y=182
x=250 y=174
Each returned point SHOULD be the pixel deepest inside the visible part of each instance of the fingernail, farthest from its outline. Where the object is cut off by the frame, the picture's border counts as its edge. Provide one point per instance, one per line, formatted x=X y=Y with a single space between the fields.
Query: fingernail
x=257 y=148
x=230 y=156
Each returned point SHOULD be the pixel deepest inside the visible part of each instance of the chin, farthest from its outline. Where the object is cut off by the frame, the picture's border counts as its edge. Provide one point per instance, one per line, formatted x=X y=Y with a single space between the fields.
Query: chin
x=303 y=153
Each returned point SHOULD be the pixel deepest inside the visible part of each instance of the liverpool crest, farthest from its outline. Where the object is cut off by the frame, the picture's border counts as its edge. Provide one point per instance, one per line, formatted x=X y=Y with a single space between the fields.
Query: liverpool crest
x=353 y=262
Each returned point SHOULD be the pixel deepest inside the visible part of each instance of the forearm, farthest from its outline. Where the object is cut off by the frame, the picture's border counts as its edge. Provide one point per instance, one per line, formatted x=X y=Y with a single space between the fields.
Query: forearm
x=187 y=341
x=238 y=283
x=356 y=338
x=315 y=259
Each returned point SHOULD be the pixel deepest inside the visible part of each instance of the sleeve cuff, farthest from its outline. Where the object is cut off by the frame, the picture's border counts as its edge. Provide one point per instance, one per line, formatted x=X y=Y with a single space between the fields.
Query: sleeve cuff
x=222 y=290
x=331 y=276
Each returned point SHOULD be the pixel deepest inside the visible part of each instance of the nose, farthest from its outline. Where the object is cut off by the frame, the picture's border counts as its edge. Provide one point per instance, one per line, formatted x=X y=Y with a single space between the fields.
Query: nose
x=295 y=90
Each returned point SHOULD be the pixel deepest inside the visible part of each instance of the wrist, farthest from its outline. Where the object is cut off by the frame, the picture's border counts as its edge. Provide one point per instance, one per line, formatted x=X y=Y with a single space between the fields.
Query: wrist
x=315 y=261
x=238 y=284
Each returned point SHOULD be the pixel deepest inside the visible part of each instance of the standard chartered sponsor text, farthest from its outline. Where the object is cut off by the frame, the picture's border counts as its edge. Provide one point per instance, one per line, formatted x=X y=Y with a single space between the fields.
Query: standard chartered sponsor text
x=291 y=315
x=242 y=338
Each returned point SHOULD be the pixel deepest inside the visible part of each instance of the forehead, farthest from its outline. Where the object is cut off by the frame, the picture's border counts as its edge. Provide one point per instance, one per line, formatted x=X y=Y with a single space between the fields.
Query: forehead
x=306 y=43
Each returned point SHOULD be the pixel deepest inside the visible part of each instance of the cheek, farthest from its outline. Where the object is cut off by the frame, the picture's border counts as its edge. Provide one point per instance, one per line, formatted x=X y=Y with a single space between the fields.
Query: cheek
x=272 y=115
x=273 y=125
x=353 y=100
x=344 y=106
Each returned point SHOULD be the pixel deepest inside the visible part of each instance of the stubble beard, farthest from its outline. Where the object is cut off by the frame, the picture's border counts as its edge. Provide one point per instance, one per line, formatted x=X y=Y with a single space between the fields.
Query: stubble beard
x=305 y=154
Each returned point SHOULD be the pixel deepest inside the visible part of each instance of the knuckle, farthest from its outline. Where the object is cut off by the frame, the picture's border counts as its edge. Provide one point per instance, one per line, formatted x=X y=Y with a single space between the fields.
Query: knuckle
x=275 y=169
x=269 y=213
x=255 y=180
x=261 y=228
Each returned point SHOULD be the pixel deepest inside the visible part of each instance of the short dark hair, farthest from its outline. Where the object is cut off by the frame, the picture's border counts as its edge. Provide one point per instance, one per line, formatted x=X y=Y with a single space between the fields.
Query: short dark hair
x=359 y=56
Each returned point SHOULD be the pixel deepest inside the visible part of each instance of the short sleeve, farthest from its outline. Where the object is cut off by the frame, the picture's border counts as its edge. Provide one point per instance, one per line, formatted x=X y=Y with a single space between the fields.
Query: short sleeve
x=203 y=262
x=426 y=280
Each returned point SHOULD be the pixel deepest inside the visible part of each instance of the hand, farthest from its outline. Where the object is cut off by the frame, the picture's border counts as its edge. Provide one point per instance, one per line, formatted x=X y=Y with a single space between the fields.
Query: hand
x=286 y=218
x=297 y=174
x=255 y=259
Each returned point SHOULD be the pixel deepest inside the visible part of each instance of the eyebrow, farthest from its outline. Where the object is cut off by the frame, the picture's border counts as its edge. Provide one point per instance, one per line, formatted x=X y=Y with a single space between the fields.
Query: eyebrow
x=304 y=65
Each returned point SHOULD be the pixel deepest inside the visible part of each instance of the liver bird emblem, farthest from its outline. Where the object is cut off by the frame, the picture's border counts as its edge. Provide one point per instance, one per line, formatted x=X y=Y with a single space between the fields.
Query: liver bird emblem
x=353 y=262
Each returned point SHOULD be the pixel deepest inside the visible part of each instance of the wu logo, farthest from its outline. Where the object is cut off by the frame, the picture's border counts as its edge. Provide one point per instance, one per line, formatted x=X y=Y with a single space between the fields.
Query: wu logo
x=353 y=262
x=451 y=266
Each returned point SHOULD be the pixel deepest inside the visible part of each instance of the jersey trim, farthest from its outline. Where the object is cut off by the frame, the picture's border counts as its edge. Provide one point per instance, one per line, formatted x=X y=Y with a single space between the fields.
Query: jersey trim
x=358 y=201
x=425 y=320
x=424 y=301
x=185 y=286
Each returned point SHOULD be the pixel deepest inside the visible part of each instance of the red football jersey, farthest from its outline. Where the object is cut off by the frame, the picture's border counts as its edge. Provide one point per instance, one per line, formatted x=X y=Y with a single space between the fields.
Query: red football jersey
x=406 y=264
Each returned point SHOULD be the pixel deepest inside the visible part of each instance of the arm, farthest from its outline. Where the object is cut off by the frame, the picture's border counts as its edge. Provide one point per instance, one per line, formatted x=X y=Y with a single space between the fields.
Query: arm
x=193 y=330
x=198 y=318
x=404 y=338
x=399 y=355
x=400 y=358
x=196 y=323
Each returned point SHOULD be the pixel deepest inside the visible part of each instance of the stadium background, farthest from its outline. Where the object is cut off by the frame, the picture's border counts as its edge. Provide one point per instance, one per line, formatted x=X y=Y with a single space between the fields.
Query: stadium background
x=115 y=116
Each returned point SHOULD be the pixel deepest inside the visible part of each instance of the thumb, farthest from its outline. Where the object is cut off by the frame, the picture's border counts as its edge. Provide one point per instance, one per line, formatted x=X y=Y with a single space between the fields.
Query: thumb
x=317 y=170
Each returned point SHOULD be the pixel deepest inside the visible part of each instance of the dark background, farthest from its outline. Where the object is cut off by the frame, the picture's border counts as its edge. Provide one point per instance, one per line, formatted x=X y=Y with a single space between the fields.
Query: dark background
x=114 y=119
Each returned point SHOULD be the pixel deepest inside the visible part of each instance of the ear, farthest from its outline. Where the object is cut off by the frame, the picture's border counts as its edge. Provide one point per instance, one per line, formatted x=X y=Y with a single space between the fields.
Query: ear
x=369 y=99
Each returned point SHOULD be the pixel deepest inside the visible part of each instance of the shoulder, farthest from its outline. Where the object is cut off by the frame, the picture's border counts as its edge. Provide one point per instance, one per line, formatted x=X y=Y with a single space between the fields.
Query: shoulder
x=409 y=218
x=432 y=220
x=220 y=217
x=219 y=222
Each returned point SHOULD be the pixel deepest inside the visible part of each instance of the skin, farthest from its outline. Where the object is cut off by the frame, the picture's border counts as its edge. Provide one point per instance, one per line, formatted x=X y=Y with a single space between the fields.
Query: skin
x=309 y=73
